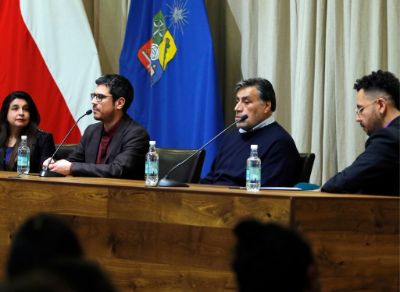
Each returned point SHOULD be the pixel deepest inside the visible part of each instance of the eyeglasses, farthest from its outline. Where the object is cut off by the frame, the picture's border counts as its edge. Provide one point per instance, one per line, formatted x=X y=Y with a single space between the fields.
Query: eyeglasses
x=361 y=109
x=98 y=96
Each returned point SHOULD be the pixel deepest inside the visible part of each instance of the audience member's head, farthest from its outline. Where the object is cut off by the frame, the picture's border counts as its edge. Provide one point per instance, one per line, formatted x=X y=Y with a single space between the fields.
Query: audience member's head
x=38 y=240
x=269 y=257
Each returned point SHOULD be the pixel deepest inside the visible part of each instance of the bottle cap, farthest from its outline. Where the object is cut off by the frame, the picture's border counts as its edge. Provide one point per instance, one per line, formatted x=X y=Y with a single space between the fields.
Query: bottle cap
x=152 y=143
x=254 y=147
x=23 y=137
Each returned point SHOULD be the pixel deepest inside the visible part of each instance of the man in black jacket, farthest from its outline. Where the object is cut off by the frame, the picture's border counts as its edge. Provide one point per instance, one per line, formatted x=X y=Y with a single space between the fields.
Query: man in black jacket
x=376 y=170
x=115 y=147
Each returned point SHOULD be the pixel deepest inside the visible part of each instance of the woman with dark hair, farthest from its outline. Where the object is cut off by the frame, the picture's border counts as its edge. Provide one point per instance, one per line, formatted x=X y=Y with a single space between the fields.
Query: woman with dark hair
x=19 y=116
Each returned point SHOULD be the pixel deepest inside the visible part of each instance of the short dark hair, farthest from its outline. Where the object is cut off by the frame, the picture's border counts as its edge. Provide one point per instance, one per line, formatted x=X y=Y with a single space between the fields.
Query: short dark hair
x=381 y=81
x=264 y=87
x=270 y=257
x=118 y=86
x=41 y=238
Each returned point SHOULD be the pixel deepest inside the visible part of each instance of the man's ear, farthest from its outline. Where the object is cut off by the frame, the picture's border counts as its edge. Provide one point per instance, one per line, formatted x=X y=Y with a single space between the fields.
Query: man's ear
x=120 y=102
x=383 y=104
x=267 y=107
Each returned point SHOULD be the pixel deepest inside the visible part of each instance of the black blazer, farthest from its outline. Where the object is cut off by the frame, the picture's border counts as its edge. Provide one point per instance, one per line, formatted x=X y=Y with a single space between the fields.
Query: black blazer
x=125 y=156
x=376 y=170
x=41 y=149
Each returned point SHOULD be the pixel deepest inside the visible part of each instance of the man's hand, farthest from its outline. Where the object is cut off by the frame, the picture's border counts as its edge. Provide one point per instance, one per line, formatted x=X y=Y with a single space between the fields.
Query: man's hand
x=44 y=165
x=61 y=166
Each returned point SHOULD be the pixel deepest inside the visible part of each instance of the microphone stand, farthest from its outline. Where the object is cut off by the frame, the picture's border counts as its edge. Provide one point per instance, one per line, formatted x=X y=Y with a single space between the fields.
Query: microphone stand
x=48 y=173
x=165 y=182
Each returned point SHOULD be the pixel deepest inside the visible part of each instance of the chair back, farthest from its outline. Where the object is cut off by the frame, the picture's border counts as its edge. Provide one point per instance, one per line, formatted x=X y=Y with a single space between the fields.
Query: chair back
x=307 y=162
x=189 y=172
x=64 y=151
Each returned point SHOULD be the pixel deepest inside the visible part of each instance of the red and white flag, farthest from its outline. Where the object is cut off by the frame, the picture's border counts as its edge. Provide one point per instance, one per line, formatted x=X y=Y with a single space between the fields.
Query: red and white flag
x=47 y=49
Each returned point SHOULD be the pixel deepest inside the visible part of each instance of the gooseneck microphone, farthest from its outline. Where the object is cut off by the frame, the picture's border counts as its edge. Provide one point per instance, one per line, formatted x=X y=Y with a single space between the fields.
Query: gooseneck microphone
x=48 y=173
x=165 y=182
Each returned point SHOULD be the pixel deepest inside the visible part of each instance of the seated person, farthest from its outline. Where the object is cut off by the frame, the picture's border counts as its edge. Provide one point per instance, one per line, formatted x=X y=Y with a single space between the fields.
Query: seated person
x=115 y=147
x=376 y=170
x=46 y=254
x=40 y=239
x=280 y=160
x=19 y=116
x=269 y=257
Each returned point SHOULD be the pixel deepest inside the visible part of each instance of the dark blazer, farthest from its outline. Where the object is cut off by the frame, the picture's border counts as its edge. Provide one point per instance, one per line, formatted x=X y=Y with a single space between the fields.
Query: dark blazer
x=125 y=156
x=376 y=170
x=41 y=149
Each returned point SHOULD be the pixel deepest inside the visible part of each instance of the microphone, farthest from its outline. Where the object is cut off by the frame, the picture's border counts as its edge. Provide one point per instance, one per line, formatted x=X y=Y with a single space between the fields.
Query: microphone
x=48 y=173
x=165 y=182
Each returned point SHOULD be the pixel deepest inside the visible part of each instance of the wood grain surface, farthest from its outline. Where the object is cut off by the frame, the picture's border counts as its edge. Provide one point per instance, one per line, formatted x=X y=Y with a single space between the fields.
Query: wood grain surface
x=180 y=239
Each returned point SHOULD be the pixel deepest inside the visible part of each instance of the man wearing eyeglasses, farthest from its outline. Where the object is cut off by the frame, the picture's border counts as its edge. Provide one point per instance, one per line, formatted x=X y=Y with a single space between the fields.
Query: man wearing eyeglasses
x=115 y=147
x=376 y=170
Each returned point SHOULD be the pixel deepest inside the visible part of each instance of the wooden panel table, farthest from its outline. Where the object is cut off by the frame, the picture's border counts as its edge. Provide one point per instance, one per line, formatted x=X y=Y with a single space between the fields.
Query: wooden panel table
x=180 y=239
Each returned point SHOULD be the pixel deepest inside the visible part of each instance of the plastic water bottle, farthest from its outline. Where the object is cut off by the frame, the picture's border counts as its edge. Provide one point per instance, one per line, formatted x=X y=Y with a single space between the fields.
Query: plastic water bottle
x=23 y=157
x=151 y=167
x=253 y=171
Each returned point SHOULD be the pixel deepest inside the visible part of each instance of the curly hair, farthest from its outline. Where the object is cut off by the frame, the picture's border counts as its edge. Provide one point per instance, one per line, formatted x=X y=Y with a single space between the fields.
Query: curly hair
x=381 y=81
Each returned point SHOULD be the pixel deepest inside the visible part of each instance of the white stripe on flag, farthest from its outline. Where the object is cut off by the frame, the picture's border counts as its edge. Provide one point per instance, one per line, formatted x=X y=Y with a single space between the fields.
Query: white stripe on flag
x=63 y=35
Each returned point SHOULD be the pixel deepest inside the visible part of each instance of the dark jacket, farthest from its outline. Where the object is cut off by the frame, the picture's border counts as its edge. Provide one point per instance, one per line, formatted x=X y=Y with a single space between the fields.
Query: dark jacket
x=376 y=170
x=125 y=156
x=41 y=149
